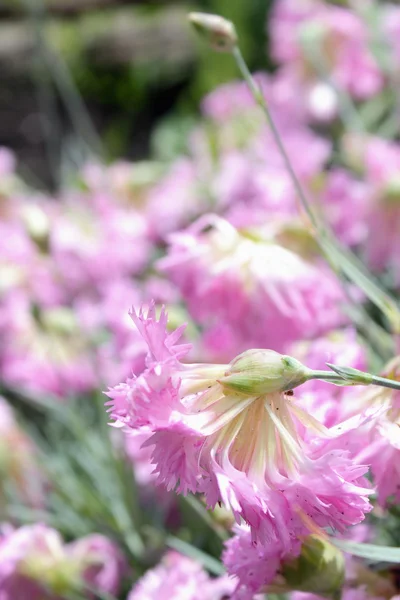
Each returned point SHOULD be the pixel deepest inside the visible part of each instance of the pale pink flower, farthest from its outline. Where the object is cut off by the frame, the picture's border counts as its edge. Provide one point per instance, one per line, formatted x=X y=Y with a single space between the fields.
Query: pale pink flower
x=233 y=103
x=42 y=349
x=246 y=449
x=345 y=206
x=264 y=294
x=175 y=200
x=180 y=578
x=94 y=240
x=382 y=164
x=34 y=563
x=339 y=39
x=330 y=404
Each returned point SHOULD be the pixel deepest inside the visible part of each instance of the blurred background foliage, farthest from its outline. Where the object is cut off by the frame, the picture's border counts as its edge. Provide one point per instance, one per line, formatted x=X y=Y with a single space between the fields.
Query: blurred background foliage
x=136 y=65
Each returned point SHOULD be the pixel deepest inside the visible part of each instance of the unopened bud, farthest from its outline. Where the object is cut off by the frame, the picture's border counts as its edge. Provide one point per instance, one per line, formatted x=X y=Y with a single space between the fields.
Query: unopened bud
x=264 y=372
x=320 y=568
x=217 y=31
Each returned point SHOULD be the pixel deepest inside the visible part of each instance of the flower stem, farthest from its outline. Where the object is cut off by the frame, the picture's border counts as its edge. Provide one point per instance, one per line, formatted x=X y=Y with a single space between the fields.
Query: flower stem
x=328 y=376
x=383 y=382
x=259 y=98
x=341 y=259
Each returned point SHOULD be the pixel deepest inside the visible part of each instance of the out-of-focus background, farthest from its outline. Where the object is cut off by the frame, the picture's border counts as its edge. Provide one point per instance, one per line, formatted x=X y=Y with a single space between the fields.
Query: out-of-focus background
x=115 y=77
x=137 y=172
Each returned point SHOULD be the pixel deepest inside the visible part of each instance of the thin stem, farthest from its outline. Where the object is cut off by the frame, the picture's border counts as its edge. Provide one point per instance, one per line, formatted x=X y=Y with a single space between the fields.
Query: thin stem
x=327 y=376
x=383 y=382
x=258 y=96
x=340 y=258
x=375 y=380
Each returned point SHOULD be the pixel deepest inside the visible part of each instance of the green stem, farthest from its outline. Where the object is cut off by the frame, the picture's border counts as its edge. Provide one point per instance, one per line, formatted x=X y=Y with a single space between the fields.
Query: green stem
x=383 y=382
x=327 y=376
x=341 y=259
x=259 y=98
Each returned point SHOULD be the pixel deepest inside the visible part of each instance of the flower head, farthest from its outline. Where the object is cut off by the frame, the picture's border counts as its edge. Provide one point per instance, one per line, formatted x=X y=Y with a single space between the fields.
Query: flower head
x=181 y=578
x=34 y=563
x=241 y=441
x=262 y=292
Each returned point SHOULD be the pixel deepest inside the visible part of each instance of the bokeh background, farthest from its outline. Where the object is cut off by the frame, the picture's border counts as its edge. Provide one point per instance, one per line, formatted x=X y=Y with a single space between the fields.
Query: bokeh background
x=135 y=167
x=111 y=77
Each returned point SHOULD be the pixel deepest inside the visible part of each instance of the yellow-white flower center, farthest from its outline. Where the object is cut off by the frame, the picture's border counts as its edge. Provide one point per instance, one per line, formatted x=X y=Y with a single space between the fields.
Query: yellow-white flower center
x=253 y=434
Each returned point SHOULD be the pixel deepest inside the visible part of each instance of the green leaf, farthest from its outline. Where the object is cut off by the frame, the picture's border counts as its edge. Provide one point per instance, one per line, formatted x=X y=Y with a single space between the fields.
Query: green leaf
x=209 y=562
x=370 y=551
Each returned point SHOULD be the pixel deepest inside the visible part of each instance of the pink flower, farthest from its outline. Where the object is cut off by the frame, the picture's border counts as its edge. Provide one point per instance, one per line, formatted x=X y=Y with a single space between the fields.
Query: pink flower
x=175 y=200
x=330 y=404
x=102 y=564
x=254 y=566
x=261 y=293
x=339 y=40
x=238 y=438
x=42 y=348
x=93 y=240
x=345 y=206
x=180 y=578
x=34 y=563
x=382 y=163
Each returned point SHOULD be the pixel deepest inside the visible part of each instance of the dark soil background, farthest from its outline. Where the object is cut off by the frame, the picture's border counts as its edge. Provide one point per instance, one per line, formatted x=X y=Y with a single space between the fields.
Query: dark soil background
x=108 y=77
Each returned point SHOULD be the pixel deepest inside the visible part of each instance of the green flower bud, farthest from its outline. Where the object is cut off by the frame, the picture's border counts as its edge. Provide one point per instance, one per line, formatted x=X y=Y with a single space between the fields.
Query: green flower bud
x=217 y=31
x=258 y=372
x=320 y=568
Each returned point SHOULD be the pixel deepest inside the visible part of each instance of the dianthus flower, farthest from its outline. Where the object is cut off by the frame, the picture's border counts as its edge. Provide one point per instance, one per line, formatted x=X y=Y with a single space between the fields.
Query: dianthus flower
x=262 y=293
x=35 y=564
x=312 y=565
x=232 y=433
x=181 y=578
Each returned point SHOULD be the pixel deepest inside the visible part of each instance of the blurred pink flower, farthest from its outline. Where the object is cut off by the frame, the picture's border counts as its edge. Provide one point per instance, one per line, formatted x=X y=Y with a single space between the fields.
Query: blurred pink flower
x=340 y=44
x=35 y=564
x=261 y=293
x=42 y=349
x=180 y=578
x=345 y=204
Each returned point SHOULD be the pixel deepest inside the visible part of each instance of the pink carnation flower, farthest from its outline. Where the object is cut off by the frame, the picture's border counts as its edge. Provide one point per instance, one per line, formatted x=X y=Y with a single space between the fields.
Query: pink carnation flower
x=244 y=448
x=35 y=564
x=180 y=578
x=259 y=293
